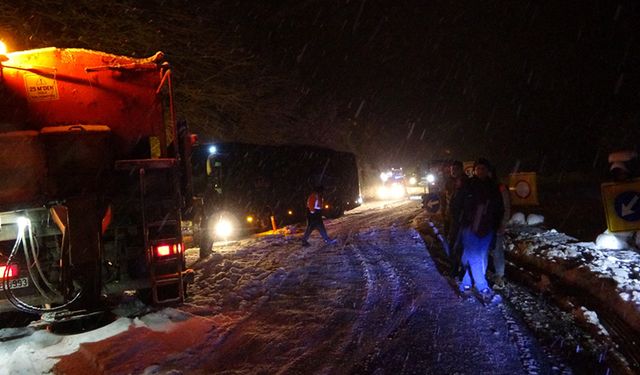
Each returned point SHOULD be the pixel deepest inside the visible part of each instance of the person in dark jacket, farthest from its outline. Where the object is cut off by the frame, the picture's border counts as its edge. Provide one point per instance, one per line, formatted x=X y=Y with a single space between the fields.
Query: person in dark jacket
x=314 y=217
x=481 y=216
x=211 y=202
x=456 y=180
x=453 y=210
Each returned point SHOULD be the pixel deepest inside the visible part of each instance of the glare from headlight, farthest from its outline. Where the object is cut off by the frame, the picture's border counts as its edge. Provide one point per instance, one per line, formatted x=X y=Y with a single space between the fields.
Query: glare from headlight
x=23 y=222
x=397 y=190
x=413 y=181
x=249 y=219
x=431 y=178
x=223 y=228
x=383 y=192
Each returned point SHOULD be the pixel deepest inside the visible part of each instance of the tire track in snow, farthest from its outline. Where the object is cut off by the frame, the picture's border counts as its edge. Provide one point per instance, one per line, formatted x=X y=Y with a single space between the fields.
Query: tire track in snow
x=381 y=294
x=328 y=302
x=390 y=296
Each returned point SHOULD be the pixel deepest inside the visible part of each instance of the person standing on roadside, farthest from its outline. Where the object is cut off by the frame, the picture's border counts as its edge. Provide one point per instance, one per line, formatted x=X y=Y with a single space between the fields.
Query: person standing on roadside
x=481 y=216
x=453 y=214
x=314 y=217
x=497 y=246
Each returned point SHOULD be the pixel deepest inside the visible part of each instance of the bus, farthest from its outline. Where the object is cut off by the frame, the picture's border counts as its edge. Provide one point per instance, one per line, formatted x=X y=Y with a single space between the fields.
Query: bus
x=248 y=188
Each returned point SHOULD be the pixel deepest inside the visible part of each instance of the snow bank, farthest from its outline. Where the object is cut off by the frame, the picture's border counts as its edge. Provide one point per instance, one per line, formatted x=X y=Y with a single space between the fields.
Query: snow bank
x=610 y=275
x=519 y=218
x=534 y=219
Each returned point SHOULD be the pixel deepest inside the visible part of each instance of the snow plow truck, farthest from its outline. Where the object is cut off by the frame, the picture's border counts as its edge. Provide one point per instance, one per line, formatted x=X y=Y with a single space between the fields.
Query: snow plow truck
x=94 y=181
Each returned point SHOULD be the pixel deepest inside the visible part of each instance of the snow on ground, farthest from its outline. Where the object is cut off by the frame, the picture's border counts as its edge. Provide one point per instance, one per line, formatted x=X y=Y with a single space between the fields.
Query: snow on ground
x=238 y=297
x=230 y=284
x=607 y=272
x=39 y=350
x=621 y=266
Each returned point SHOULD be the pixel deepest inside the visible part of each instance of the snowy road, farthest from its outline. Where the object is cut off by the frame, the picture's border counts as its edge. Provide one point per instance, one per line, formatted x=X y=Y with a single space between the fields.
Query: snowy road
x=374 y=303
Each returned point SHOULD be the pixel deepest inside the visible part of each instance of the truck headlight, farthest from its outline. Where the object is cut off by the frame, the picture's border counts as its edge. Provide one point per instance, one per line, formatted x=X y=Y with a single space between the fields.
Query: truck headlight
x=431 y=178
x=223 y=228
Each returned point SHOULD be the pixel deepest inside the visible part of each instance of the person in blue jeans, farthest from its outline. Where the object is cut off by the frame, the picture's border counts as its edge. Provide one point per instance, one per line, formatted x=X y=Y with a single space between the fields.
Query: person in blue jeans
x=474 y=260
x=482 y=214
x=497 y=246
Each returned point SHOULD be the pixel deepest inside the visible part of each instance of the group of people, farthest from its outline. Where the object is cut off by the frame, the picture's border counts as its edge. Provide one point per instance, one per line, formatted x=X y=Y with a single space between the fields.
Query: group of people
x=476 y=213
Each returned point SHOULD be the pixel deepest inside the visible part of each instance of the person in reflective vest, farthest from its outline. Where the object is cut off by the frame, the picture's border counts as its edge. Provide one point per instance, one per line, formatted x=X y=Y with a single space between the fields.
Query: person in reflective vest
x=314 y=217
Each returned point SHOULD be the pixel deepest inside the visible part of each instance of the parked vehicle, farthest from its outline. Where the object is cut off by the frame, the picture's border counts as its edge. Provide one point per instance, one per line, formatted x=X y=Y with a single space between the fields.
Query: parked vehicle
x=252 y=187
x=94 y=180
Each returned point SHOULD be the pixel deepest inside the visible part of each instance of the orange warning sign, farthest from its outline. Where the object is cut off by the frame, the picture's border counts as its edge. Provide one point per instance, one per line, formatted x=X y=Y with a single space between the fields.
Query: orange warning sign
x=523 y=189
x=468 y=167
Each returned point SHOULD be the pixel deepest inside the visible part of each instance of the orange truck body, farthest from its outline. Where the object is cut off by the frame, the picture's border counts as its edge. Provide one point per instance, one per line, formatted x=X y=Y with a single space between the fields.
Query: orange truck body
x=84 y=135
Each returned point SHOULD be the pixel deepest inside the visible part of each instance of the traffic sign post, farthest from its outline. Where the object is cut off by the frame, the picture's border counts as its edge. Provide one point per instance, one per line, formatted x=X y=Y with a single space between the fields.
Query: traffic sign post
x=622 y=205
x=432 y=203
x=468 y=167
x=523 y=189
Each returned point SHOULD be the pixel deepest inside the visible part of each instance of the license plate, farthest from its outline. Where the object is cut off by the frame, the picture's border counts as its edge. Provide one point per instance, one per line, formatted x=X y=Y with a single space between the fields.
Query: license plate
x=22 y=282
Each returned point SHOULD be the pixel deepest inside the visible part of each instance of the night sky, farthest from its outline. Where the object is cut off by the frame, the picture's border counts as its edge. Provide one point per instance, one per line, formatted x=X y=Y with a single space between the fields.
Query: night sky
x=548 y=86
x=554 y=85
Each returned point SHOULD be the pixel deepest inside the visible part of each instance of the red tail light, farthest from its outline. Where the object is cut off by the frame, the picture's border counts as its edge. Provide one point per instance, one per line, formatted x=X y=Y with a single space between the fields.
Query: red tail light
x=164 y=250
x=193 y=139
x=9 y=272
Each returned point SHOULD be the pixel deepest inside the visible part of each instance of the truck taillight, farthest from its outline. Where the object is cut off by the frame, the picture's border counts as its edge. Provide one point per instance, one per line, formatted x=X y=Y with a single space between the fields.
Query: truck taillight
x=8 y=271
x=163 y=250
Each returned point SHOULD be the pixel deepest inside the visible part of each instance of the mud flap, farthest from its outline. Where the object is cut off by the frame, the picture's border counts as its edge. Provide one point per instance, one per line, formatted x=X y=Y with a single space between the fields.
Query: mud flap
x=85 y=248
